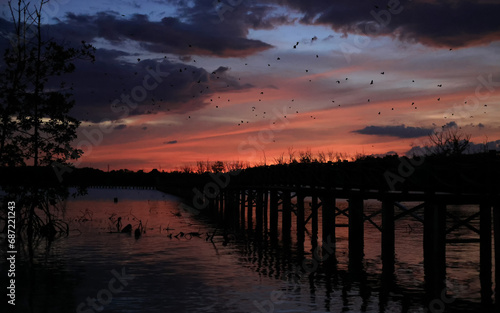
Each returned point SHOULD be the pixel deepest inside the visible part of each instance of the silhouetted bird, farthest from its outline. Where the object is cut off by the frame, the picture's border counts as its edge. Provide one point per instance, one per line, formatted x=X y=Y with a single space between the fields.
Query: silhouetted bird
x=371 y=83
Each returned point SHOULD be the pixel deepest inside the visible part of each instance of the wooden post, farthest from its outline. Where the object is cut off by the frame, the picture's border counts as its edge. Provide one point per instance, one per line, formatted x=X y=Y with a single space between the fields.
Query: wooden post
x=286 y=217
x=235 y=221
x=435 y=249
x=229 y=210
x=242 y=209
x=266 y=201
x=250 y=209
x=301 y=227
x=328 y=218
x=228 y=207
x=328 y=221
x=273 y=214
x=388 y=253
x=485 y=254
x=356 y=233
x=221 y=205
x=314 y=220
x=259 y=204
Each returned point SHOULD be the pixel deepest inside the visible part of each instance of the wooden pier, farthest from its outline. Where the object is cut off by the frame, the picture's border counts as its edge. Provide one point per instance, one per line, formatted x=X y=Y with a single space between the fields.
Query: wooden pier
x=257 y=208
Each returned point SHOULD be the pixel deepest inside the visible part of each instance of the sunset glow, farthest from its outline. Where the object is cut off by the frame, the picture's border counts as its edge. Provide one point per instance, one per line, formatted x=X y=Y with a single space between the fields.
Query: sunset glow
x=180 y=82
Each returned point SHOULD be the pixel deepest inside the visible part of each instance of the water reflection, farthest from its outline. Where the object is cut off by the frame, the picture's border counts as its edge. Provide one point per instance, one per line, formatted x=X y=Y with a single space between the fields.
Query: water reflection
x=223 y=270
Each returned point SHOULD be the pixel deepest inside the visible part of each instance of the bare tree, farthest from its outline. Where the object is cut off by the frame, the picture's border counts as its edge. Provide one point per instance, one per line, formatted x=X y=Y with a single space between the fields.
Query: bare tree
x=448 y=142
x=305 y=156
x=280 y=160
x=200 y=167
x=331 y=156
x=321 y=157
x=186 y=169
x=291 y=155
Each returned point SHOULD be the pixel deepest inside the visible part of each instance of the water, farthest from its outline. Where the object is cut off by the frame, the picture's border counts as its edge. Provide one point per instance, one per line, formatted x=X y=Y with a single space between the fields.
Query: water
x=231 y=274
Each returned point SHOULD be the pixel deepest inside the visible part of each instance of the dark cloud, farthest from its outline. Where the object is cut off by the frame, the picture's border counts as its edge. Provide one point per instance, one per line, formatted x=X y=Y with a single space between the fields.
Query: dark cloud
x=120 y=127
x=113 y=89
x=434 y=23
x=221 y=69
x=170 y=35
x=171 y=142
x=482 y=147
x=472 y=148
x=237 y=17
x=272 y=87
x=451 y=124
x=400 y=131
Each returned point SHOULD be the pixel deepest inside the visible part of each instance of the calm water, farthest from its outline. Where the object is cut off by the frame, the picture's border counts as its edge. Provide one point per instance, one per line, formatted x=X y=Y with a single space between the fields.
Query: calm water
x=163 y=273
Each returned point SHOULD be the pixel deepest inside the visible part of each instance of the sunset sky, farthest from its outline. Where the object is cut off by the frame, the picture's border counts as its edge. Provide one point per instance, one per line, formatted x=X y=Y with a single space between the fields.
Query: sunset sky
x=176 y=82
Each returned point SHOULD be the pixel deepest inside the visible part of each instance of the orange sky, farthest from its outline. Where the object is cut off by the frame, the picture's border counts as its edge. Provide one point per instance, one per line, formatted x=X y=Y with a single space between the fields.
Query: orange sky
x=177 y=83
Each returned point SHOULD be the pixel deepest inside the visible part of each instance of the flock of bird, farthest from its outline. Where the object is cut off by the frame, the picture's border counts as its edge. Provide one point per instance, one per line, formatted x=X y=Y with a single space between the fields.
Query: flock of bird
x=208 y=89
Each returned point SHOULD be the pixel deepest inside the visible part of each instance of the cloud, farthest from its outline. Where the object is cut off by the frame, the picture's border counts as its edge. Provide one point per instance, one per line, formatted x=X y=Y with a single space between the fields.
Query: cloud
x=482 y=147
x=451 y=124
x=169 y=35
x=171 y=142
x=120 y=127
x=400 y=131
x=111 y=88
x=433 y=23
x=471 y=149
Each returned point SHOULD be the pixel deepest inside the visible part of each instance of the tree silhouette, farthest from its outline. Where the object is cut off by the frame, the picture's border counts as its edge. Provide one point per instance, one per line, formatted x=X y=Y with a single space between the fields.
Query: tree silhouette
x=218 y=167
x=35 y=126
x=449 y=142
